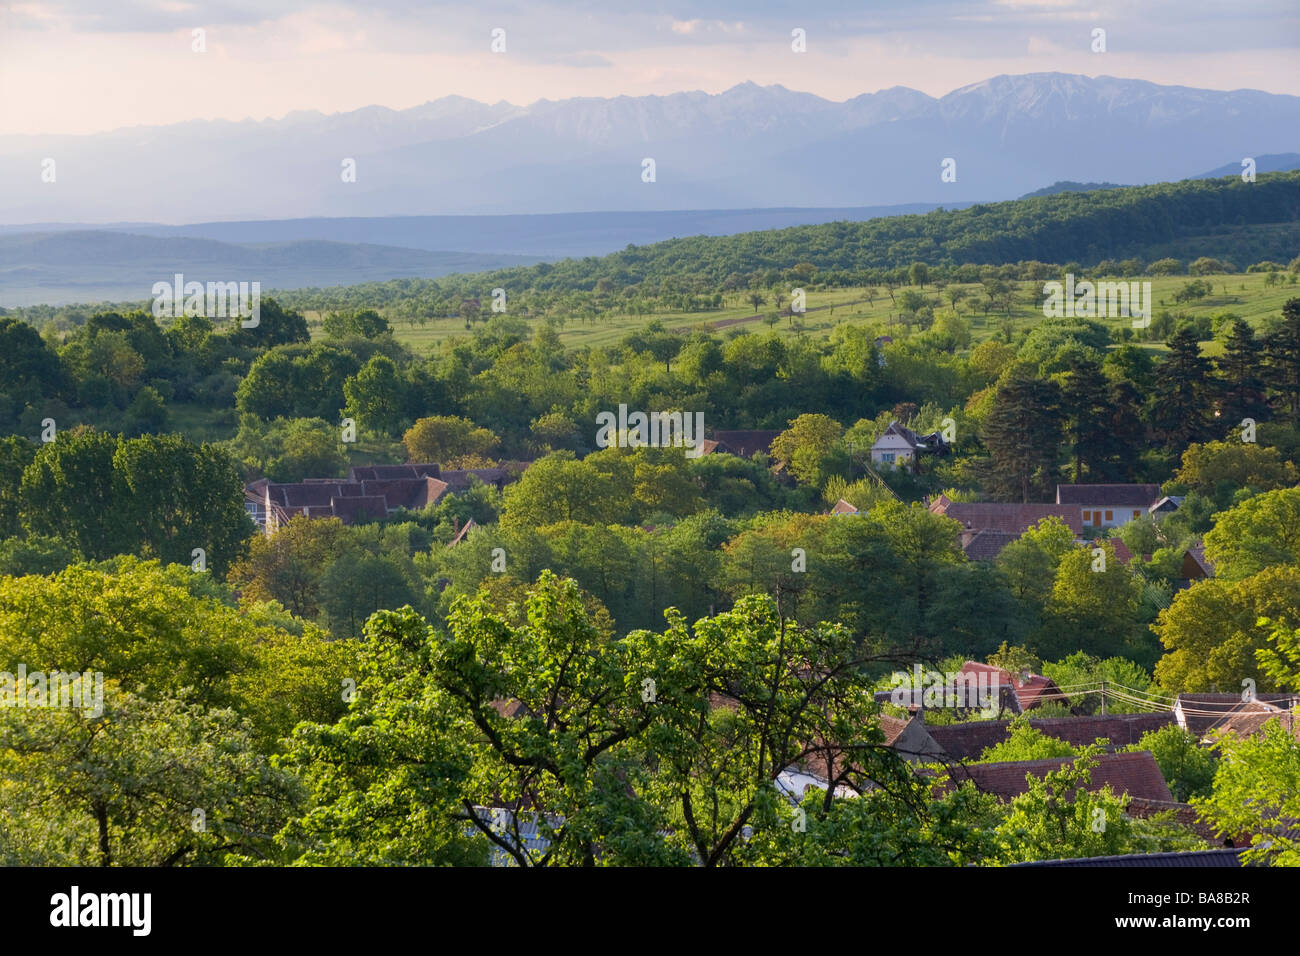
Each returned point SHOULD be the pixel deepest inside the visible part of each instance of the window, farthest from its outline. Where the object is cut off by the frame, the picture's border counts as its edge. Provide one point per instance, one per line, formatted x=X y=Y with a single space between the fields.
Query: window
x=1110 y=516
x=1135 y=514
x=887 y=457
x=1087 y=516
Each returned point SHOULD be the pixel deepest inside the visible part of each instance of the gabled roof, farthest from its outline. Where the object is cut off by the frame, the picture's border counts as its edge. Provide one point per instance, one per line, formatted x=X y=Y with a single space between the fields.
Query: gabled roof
x=1031 y=690
x=388 y=472
x=842 y=507
x=1122 y=554
x=1013 y=519
x=745 y=443
x=903 y=432
x=1136 y=774
x=969 y=739
x=1251 y=718
x=1197 y=713
x=1120 y=496
x=460 y=535
x=1196 y=565
x=986 y=544
x=350 y=501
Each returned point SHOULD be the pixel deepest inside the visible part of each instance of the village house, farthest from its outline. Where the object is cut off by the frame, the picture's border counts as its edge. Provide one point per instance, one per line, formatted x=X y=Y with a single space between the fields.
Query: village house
x=899 y=447
x=1109 y=506
x=742 y=444
x=1201 y=714
x=1030 y=689
x=369 y=493
x=969 y=739
x=1136 y=774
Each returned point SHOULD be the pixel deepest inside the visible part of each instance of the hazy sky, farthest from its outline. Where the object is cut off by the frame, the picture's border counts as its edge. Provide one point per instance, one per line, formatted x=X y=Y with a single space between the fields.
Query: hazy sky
x=78 y=66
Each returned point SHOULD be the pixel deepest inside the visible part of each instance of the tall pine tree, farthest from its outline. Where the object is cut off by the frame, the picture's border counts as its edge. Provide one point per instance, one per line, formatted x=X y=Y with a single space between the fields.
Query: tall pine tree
x=1240 y=380
x=1282 y=351
x=1023 y=434
x=1181 y=405
x=1085 y=404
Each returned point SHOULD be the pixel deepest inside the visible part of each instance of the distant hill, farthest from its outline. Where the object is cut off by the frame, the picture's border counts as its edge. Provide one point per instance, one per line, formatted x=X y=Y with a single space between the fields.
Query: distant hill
x=93 y=266
x=552 y=236
x=1065 y=187
x=746 y=147
x=1276 y=163
x=1237 y=222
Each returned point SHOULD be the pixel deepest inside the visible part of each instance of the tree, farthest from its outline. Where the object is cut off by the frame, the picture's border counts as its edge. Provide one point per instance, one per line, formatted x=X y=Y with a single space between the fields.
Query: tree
x=376 y=396
x=1085 y=404
x=121 y=788
x=918 y=274
x=382 y=784
x=16 y=453
x=287 y=566
x=357 y=584
x=165 y=632
x=1023 y=434
x=1180 y=406
x=366 y=323
x=1090 y=609
x=28 y=367
x=1221 y=469
x=560 y=488
x=1281 y=659
x=180 y=496
x=1239 y=380
x=1187 y=767
x=1058 y=817
x=1212 y=633
x=809 y=447
x=451 y=441
x=72 y=490
x=276 y=326
x=1087 y=672
x=1025 y=742
x=1259 y=533
x=1282 y=355
x=1030 y=562
x=1257 y=791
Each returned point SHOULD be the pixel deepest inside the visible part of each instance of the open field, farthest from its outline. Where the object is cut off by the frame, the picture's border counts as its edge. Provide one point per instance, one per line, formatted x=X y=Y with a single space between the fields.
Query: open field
x=1246 y=295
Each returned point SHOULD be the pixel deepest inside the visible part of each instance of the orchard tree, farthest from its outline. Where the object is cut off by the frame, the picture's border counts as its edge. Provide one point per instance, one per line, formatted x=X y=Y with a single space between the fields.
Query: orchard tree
x=450 y=441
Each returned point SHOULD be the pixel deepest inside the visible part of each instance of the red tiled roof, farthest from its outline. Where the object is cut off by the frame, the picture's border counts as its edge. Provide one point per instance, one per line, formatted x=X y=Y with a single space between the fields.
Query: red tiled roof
x=987 y=544
x=1136 y=774
x=1122 y=554
x=1010 y=518
x=389 y=472
x=1202 y=711
x=746 y=443
x=1251 y=718
x=1030 y=691
x=969 y=739
x=460 y=535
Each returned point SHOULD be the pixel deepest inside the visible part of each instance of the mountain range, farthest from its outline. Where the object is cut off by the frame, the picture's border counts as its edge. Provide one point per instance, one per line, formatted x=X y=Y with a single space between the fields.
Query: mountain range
x=748 y=147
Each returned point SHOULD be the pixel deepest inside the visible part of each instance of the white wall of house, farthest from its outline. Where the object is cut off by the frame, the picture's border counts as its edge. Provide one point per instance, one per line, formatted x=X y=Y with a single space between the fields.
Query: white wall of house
x=892 y=451
x=1109 y=516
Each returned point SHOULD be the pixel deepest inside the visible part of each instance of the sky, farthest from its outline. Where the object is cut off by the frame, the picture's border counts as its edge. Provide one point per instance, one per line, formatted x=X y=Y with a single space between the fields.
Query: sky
x=84 y=66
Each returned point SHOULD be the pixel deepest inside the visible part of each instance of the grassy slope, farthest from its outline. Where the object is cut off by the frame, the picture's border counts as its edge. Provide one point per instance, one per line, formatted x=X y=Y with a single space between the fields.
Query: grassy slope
x=1254 y=303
